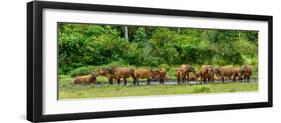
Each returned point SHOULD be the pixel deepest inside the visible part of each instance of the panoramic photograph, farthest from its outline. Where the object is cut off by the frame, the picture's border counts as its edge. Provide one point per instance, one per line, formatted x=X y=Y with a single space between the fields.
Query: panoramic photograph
x=105 y=61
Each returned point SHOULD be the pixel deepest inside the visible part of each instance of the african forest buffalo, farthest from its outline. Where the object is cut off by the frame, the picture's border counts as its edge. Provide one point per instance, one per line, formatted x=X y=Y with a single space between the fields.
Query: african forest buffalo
x=105 y=72
x=246 y=72
x=160 y=74
x=224 y=71
x=206 y=74
x=86 y=79
x=122 y=73
x=117 y=73
x=186 y=69
x=143 y=73
x=179 y=75
x=228 y=71
x=237 y=74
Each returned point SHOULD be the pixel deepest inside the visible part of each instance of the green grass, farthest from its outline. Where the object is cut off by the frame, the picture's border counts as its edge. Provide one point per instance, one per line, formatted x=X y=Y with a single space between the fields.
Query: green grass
x=71 y=91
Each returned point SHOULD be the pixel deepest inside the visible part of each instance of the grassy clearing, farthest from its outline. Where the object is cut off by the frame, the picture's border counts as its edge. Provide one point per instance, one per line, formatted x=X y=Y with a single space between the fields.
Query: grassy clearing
x=71 y=91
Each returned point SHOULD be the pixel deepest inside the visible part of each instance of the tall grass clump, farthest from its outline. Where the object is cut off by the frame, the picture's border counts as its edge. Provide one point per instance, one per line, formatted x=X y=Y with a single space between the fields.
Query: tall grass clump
x=201 y=89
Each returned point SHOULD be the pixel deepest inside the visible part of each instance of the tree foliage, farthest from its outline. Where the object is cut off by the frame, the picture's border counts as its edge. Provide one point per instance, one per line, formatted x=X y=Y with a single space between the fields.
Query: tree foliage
x=95 y=45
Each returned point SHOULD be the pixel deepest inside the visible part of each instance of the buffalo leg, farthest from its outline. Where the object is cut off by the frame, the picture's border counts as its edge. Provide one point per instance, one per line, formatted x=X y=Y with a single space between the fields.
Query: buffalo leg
x=137 y=81
x=204 y=80
x=118 y=81
x=187 y=78
x=234 y=78
x=110 y=81
x=134 y=81
x=148 y=81
x=125 y=81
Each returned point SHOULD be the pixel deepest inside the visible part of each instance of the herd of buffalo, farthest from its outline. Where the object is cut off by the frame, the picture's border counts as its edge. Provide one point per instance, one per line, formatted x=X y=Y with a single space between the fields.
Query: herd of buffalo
x=184 y=74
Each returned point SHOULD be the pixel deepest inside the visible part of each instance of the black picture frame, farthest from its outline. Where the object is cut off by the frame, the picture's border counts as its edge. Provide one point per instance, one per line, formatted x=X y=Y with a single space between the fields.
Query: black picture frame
x=35 y=69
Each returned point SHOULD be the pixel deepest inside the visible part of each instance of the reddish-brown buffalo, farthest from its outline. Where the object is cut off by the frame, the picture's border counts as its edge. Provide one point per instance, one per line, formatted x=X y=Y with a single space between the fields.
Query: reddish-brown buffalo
x=179 y=75
x=87 y=79
x=228 y=71
x=143 y=73
x=246 y=72
x=206 y=74
x=186 y=69
x=122 y=73
x=105 y=72
x=237 y=74
x=160 y=74
x=224 y=71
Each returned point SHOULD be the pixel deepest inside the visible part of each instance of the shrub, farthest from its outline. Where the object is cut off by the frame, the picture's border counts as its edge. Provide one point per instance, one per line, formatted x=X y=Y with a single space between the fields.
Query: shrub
x=80 y=71
x=105 y=45
x=232 y=90
x=167 y=67
x=172 y=73
x=202 y=89
x=65 y=79
x=116 y=64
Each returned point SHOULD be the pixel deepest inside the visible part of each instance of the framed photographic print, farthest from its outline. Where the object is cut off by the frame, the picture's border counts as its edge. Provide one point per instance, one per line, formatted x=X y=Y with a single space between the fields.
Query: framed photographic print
x=89 y=61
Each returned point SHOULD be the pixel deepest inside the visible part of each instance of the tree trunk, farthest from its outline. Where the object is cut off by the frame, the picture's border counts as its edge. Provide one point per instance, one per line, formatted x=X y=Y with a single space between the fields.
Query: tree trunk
x=126 y=35
x=179 y=30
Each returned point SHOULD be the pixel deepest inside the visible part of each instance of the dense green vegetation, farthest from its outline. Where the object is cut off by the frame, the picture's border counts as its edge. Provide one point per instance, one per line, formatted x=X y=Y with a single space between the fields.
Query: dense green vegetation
x=85 y=47
x=68 y=91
